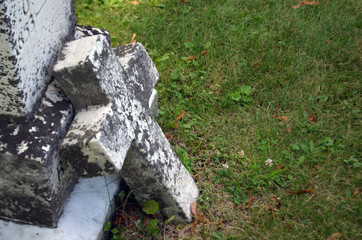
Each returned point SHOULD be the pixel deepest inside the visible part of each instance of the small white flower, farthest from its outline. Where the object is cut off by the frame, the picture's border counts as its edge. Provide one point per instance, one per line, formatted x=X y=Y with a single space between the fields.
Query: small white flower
x=241 y=153
x=225 y=165
x=269 y=162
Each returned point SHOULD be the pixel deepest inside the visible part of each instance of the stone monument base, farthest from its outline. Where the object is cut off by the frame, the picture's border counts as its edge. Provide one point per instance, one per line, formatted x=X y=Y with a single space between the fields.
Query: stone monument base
x=87 y=209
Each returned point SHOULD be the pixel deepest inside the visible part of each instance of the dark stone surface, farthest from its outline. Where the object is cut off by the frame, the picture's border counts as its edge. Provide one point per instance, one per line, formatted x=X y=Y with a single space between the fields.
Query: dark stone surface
x=34 y=182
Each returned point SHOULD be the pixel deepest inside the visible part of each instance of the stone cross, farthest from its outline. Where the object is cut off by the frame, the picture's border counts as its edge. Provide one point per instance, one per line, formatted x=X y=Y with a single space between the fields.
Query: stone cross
x=31 y=34
x=113 y=129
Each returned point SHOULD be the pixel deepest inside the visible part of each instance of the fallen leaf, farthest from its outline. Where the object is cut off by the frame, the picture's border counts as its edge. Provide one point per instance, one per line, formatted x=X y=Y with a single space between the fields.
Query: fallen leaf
x=256 y=64
x=204 y=52
x=310 y=3
x=277 y=200
x=168 y=135
x=273 y=215
x=181 y=115
x=283 y=118
x=278 y=107
x=355 y=192
x=335 y=236
x=279 y=166
x=132 y=216
x=190 y=58
x=134 y=3
x=291 y=225
x=116 y=221
x=276 y=110
x=311 y=118
x=308 y=191
x=193 y=207
x=133 y=39
x=183 y=1
x=250 y=201
x=223 y=221
x=145 y=221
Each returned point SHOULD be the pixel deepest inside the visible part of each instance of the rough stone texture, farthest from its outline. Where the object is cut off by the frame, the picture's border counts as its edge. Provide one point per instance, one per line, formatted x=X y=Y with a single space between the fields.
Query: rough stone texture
x=142 y=74
x=34 y=182
x=31 y=34
x=87 y=31
x=85 y=213
x=153 y=103
x=117 y=131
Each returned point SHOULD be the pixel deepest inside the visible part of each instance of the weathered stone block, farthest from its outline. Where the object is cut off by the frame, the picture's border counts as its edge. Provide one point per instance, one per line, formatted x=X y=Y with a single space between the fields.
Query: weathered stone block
x=120 y=132
x=102 y=130
x=34 y=182
x=141 y=73
x=31 y=34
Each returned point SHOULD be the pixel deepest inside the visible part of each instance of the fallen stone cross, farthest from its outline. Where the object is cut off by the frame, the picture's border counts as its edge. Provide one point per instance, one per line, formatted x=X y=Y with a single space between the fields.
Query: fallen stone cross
x=113 y=129
x=70 y=107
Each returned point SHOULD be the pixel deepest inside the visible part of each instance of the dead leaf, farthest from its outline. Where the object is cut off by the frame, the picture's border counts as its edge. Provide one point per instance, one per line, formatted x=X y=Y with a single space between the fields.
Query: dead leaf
x=183 y=1
x=276 y=110
x=145 y=221
x=291 y=225
x=283 y=118
x=256 y=64
x=355 y=192
x=135 y=3
x=311 y=118
x=168 y=135
x=277 y=200
x=250 y=201
x=116 y=221
x=308 y=191
x=190 y=58
x=133 y=39
x=310 y=3
x=181 y=115
x=204 y=52
x=273 y=215
x=193 y=207
x=279 y=166
x=335 y=236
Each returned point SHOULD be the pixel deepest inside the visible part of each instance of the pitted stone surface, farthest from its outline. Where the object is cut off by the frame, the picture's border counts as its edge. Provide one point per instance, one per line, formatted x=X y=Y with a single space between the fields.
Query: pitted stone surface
x=87 y=31
x=34 y=182
x=31 y=34
x=142 y=74
x=102 y=130
x=121 y=133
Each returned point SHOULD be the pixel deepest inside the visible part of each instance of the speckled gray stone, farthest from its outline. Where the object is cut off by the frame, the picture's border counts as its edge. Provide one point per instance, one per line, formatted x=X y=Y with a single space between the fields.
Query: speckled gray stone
x=34 y=182
x=114 y=129
x=31 y=34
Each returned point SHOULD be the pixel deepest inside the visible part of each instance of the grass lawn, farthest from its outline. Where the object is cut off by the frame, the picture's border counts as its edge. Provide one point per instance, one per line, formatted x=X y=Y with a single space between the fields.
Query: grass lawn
x=257 y=80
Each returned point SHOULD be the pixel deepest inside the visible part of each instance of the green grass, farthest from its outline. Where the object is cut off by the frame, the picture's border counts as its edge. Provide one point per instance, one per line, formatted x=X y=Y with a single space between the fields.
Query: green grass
x=262 y=54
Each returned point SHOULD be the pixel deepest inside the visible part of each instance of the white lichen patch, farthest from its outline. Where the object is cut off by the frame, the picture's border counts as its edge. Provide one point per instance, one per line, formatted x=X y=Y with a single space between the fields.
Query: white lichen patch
x=16 y=131
x=22 y=147
x=46 y=148
x=3 y=146
x=33 y=129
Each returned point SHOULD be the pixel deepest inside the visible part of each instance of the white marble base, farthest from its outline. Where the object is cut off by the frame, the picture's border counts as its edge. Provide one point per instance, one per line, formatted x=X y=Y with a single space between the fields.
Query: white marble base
x=84 y=215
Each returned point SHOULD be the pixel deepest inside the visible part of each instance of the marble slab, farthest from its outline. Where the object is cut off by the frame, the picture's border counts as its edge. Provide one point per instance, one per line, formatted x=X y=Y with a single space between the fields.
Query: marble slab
x=85 y=213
